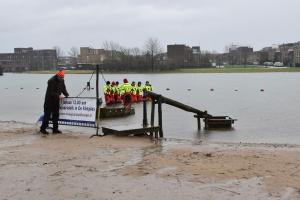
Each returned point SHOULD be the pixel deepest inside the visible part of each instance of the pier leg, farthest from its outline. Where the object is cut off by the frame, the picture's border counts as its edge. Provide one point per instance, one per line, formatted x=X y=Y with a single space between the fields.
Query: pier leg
x=199 y=123
x=152 y=114
x=161 y=134
x=97 y=103
x=145 y=120
x=156 y=134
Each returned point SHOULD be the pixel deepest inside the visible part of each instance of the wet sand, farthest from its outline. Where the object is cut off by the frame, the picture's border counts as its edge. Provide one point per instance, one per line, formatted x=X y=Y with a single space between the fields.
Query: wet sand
x=73 y=166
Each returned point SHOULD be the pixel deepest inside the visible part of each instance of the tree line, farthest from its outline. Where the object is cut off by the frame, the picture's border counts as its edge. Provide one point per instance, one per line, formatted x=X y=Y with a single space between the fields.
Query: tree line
x=119 y=58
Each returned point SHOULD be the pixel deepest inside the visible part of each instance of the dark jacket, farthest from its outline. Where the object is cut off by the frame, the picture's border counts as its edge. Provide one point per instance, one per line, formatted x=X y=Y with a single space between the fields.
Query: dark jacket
x=56 y=87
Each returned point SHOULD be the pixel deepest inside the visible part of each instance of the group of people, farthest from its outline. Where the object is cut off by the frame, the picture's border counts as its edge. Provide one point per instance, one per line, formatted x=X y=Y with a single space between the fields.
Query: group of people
x=128 y=93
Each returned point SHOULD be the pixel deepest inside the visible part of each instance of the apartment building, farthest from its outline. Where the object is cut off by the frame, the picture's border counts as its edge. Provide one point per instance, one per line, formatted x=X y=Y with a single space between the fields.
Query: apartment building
x=24 y=59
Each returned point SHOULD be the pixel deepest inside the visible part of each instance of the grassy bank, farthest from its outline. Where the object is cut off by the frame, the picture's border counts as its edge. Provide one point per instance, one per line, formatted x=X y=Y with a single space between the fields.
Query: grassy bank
x=236 y=69
x=66 y=71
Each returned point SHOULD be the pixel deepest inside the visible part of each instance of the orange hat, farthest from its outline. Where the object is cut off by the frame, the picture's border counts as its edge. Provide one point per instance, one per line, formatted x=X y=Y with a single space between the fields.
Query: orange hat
x=61 y=73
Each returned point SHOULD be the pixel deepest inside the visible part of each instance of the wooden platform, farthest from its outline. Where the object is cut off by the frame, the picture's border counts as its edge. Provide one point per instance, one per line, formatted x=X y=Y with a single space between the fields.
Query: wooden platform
x=114 y=112
x=129 y=130
x=216 y=122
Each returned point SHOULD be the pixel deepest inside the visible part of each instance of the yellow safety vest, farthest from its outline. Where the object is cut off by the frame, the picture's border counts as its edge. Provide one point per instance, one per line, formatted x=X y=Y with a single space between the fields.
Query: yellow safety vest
x=133 y=90
x=125 y=88
x=107 y=89
x=148 y=88
x=118 y=89
x=140 y=90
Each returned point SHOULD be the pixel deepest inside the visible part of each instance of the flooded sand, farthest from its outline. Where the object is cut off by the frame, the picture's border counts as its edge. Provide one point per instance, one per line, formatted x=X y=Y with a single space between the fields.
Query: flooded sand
x=73 y=166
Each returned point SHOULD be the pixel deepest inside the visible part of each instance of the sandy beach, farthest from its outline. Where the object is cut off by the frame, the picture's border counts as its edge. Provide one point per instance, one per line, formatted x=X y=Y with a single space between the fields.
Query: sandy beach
x=73 y=166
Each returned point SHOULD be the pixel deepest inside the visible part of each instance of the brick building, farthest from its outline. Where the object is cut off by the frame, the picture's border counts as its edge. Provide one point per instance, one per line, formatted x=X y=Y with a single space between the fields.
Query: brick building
x=297 y=55
x=287 y=53
x=91 y=56
x=196 y=55
x=179 y=55
x=25 y=59
x=240 y=55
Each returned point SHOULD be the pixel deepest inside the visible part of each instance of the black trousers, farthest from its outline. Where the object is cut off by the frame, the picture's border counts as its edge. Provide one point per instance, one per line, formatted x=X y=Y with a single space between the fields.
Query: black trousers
x=48 y=112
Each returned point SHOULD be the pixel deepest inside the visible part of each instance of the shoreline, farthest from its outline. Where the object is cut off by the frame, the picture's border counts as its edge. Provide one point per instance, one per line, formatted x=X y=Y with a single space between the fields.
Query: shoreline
x=186 y=141
x=72 y=166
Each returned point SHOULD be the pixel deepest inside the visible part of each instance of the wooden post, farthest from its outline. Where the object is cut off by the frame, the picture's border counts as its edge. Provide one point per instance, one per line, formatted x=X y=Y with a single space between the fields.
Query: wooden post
x=145 y=120
x=152 y=115
x=161 y=134
x=97 y=99
x=152 y=112
x=199 y=123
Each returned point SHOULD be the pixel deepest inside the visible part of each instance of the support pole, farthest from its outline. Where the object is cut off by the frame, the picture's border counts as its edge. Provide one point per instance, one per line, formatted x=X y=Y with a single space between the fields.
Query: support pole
x=161 y=134
x=97 y=97
x=152 y=112
x=152 y=116
x=198 y=123
x=145 y=120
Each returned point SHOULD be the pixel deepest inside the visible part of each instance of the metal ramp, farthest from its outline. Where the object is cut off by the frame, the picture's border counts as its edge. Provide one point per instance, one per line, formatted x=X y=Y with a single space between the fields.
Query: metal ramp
x=210 y=121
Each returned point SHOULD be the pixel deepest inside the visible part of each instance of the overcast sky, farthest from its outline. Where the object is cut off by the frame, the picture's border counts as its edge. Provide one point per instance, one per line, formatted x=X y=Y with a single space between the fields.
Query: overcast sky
x=212 y=24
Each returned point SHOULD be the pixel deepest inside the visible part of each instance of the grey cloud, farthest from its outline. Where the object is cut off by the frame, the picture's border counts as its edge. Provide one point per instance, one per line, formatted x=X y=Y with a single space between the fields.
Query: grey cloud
x=209 y=23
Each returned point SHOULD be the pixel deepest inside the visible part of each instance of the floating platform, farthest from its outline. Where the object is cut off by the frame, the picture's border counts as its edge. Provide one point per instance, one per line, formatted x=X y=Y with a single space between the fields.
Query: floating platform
x=129 y=130
x=111 y=112
x=217 y=122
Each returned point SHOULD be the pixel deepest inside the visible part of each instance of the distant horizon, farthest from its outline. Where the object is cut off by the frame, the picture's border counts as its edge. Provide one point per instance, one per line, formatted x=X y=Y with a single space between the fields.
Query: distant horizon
x=210 y=24
x=164 y=47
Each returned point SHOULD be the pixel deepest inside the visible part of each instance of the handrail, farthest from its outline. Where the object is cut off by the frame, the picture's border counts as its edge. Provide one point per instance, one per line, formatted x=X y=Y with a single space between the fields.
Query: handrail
x=155 y=96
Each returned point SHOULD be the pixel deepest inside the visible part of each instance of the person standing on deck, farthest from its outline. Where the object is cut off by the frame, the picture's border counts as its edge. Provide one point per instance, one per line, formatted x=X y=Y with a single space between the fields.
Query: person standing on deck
x=139 y=92
x=107 y=95
x=112 y=92
x=133 y=92
x=148 y=88
x=118 y=93
x=56 y=87
x=126 y=93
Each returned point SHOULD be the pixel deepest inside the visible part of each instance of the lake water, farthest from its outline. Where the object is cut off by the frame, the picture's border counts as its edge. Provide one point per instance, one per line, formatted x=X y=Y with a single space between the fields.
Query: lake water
x=269 y=116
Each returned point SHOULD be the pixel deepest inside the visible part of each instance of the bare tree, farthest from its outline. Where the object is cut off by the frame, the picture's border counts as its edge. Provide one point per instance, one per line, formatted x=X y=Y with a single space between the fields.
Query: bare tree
x=59 y=51
x=153 y=47
x=111 y=49
x=73 y=52
x=136 y=51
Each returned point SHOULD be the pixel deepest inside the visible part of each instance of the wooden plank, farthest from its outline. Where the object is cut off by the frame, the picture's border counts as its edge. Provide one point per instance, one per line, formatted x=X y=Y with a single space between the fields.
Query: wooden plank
x=124 y=130
x=145 y=120
x=161 y=134
x=152 y=115
x=110 y=112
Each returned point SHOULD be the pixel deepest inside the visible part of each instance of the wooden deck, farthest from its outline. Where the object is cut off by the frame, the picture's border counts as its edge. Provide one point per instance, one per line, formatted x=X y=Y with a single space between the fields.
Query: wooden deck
x=219 y=122
x=114 y=112
x=130 y=130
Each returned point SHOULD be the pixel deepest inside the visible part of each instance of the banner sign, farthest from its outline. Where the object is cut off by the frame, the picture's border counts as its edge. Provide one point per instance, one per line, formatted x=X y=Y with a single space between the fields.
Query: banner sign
x=78 y=111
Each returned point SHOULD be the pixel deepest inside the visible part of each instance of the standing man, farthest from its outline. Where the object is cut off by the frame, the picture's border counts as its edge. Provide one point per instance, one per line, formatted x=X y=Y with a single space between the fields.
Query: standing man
x=133 y=92
x=118 y=93
x=56 y=87
x=139 y=92
x=126 y=93
x=107 y=93
x=148 y=88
